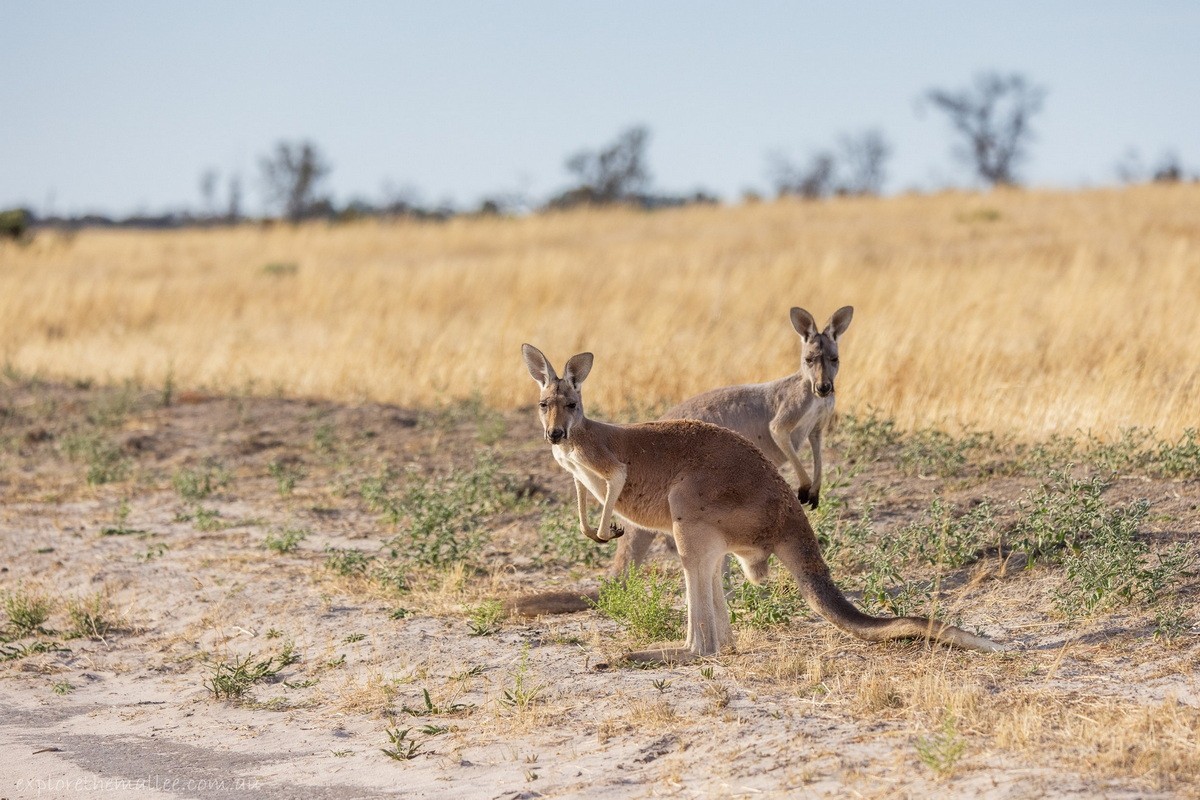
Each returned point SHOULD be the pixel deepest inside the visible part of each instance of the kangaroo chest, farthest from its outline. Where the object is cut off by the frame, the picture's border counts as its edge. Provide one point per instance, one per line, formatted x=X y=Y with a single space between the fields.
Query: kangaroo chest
x=595 y=483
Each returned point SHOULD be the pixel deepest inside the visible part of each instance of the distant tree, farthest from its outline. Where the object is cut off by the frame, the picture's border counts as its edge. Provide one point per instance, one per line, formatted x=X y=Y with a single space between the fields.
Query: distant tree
x=993 y=117
x=864 y=162
x=613 y=173
x=15 y=224
x=208 y=192
x=233 y=212
x=812 y=181
x=857 y=168
x=1169 y=169
x=292 y=176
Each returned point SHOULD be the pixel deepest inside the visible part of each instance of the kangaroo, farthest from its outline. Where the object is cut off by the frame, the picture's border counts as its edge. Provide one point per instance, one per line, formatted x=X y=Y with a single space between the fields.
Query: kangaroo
x=777 y=416
x=716 y=493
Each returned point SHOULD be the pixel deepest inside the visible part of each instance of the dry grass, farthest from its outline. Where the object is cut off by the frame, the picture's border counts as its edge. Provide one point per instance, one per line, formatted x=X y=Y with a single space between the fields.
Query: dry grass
x=1020 y=312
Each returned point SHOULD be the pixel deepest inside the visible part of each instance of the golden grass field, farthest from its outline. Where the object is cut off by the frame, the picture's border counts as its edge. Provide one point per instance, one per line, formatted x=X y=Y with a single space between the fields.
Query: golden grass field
x=1021 y=312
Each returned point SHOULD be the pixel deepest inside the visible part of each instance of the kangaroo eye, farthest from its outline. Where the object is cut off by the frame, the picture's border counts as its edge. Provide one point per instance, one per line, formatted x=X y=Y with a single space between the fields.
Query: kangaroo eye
x=571 y=406
x=543 y=404
x=834 y=359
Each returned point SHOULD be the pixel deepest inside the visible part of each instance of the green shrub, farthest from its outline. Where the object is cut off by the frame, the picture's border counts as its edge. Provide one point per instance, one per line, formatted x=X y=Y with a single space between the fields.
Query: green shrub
x=642 y=601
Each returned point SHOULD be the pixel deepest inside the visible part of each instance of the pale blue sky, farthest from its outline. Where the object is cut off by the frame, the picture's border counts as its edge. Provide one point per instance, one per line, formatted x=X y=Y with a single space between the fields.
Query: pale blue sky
x=120 y=106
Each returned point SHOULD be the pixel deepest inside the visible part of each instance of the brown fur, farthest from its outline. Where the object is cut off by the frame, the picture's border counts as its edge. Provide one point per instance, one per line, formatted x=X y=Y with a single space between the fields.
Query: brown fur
x=777 y=416
x=716 y=493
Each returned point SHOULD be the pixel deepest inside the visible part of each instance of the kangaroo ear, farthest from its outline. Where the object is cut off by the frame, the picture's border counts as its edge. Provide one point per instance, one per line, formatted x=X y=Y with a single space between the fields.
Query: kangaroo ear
x=539 y=366
x=804 y=323
x=839 y=322
x=577 y=369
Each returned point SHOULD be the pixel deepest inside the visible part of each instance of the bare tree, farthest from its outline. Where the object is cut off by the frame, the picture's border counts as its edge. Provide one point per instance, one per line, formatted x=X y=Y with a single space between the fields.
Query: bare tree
x=233 y=212
x=864 y=158
x=993 y=117
x=291 y=178
x=613 y=173
x=208 y=191
x=814 y=180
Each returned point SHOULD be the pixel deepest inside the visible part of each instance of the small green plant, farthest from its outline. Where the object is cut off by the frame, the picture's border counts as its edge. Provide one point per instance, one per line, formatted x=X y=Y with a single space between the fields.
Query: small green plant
x=444 y=517
x=1124 y=454
x=63 y=687
x=708 y=673
x=561 y=542
x=104 y=461
x=399 y=613
x=1171 y=621
x=641 y=601
x=279 y=269
x=16 y=650
x=662 y=684
x=286 y=474
x=354 y=637
x=1055 y=453
x=776 y=602
x=232 y=679
x=942 y=751
x=523 y=693
x=92 y=616
x=1180 y=459
x=206 y=520
x=154 y=551
x=110 y=409
x=866 y=438
x=120 y=526
x=1114 y=567
x=167 y=395
x=286 y=540
x=324 y=438
x=1057 y=515
x=435 y=730
x=27 y=610
x=194 y=484
x=949 y=542
x=403 y=748
x=485 y=618
x=930 y=451
x=473 y=671
x=347 y=562
x=433 y=709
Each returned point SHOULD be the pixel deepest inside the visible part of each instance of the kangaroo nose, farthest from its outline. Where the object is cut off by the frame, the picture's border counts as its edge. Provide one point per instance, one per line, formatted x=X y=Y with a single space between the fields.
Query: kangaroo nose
x=824 y=388
x=557 y=435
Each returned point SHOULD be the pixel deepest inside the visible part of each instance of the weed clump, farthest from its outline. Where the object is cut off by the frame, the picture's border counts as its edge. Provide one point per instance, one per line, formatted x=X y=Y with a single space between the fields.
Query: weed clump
x=444 y=517
x=641 y=600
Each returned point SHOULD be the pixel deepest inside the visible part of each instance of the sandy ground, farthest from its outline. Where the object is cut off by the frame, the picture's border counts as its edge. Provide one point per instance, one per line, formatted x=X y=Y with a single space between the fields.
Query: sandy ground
x=800 y=710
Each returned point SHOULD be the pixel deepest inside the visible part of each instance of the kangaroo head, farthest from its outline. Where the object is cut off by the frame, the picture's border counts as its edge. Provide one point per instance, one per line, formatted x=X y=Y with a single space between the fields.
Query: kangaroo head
x=819 y=356
x=560 y=406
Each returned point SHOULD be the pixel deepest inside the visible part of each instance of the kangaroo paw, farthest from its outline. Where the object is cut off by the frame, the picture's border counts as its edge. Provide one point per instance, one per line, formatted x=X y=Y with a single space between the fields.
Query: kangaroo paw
x=615 y=531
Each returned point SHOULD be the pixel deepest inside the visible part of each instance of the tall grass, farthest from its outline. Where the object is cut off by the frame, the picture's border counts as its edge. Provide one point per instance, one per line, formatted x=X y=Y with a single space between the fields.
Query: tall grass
x=1026 y=312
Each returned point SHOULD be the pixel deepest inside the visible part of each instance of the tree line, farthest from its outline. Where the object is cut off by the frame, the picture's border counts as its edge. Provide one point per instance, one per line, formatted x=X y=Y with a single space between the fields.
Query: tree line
x=990 y=120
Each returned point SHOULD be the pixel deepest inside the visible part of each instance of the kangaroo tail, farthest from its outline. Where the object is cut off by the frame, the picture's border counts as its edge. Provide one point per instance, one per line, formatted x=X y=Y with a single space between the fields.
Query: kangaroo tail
x=820 y=592
x=547 y=603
